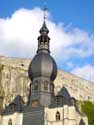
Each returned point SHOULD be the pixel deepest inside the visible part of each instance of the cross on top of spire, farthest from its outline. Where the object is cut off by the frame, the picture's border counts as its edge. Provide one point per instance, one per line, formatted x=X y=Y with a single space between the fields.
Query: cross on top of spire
x=44 y=29
x=45 y=10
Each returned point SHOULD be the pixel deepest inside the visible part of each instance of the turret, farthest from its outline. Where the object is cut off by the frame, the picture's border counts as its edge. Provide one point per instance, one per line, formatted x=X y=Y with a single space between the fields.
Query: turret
x=42 y=71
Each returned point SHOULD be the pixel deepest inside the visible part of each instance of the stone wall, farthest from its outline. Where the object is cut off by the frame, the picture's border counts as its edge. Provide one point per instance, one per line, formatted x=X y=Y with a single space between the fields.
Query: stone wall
x=16 y=119
x=14 y=81
x=67 y=116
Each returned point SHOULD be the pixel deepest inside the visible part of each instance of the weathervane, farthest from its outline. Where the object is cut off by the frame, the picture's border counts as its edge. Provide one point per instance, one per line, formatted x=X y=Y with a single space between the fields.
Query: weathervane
x=45 y=10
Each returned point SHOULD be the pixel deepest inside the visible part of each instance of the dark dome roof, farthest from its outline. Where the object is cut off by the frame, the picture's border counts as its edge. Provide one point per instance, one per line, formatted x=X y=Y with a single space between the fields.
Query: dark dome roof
x=44 y=29
x=43 y=65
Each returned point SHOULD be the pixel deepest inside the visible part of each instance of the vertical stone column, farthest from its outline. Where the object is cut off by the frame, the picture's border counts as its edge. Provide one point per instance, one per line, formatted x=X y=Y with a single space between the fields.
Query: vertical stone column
x=66 y=115
x=73 y=116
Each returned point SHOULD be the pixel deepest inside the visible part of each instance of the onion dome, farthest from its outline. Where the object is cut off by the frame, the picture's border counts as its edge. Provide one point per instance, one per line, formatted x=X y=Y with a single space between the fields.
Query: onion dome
x=44 y=29
x=43 y=65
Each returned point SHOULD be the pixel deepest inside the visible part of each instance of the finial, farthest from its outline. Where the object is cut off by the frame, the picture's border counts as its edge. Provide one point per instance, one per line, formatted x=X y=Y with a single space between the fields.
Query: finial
x=44 y=29
x=45 y=16
x=45 y=9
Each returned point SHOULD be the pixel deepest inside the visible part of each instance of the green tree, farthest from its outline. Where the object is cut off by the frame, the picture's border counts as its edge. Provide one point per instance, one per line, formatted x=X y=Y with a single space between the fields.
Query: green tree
x=88 y=109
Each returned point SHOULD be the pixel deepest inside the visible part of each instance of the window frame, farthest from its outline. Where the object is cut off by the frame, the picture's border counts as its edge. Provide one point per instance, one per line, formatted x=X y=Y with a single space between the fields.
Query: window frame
x=10 y=122
x=58 y=116
x=46 y=86
x=36 y=86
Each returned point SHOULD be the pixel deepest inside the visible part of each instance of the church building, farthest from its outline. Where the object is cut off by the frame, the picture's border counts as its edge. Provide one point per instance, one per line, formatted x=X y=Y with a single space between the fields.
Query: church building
x=43 y=106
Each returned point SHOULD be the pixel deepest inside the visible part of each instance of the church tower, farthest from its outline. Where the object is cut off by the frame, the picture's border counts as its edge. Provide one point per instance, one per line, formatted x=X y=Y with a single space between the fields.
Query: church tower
x=43 y=107
x=42 y=72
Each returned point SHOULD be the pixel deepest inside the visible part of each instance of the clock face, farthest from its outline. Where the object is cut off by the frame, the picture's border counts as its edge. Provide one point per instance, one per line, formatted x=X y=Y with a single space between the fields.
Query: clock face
x=35 y=103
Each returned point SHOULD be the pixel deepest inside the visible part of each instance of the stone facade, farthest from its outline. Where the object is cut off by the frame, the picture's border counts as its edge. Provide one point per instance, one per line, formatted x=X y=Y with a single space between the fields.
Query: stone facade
x=16 y=119
x=67 y=116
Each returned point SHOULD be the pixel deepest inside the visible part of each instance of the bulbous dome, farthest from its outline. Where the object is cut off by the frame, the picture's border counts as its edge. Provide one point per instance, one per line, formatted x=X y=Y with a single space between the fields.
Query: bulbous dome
x=43 y=65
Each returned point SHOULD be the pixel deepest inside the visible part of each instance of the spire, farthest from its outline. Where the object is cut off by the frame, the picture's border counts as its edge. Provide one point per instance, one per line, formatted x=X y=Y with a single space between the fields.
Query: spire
x=44 y=29
x=43 y=39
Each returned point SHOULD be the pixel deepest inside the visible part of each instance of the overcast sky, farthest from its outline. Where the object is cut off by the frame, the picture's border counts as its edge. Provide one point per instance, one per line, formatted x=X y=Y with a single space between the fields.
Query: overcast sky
x=71 y=25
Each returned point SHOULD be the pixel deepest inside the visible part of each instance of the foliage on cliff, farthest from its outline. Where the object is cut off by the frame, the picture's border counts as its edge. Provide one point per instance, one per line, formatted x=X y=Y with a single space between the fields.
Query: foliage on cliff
x=1 y=90
x=88 y=108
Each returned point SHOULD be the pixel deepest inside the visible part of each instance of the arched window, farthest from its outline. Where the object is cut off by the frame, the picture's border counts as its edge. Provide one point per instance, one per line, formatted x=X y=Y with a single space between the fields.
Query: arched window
x=57 y=116
x=45 y=86
x=36 y=86
x=22 y=64
x=10 y=122
x=58 y=100
x=82 y=122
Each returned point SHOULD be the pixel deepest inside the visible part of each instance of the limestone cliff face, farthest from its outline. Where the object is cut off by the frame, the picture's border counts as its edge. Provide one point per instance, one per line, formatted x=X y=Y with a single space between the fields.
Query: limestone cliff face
x=77 y=87
x=14 y=81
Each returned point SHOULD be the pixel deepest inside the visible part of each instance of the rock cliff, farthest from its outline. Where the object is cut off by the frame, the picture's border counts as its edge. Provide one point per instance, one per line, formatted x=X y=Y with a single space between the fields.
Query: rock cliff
x=14 y=81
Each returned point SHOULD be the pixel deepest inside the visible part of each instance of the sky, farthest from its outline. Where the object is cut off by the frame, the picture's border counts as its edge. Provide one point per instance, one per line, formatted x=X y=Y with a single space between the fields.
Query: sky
x=71 y=25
